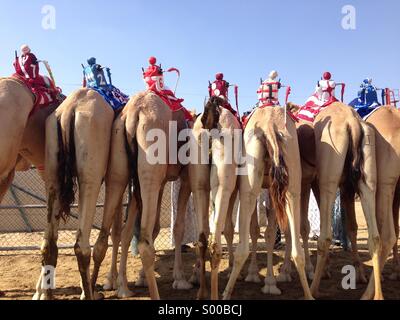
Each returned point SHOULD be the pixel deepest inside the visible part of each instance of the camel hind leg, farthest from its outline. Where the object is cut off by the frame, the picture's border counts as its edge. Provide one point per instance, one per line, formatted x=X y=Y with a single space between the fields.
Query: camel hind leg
x=126 y=238
x=115 y=182
x=270 y=286
x=180 y=282
x=92 y=151
x=373 y=207
x=112 y=276
x=49 y=249
x=396 y=259
x=352 y=229
x=330 y=168
x=253 y=272
x=229 y=231
x=250 y=189
x=151 y=182
x=199 y=176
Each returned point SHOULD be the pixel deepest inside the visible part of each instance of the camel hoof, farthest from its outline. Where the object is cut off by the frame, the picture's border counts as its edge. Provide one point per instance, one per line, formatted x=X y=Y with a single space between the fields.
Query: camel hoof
x=42 y=296
x=253 y=278
x=110 y=284
x=271 y=289
x=284 y=277
x=182 y=285
x=123 y=292
x=36 y=296
x=141 y=283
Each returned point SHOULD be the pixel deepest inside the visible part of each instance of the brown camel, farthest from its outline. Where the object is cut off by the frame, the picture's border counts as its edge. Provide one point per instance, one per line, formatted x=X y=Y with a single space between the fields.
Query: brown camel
x=22 y=139
x=144 y=115
x=386 y=124
x=22 y=135
x=273 y=149
x=345 y=157
x=77 y=149
x=218 y=178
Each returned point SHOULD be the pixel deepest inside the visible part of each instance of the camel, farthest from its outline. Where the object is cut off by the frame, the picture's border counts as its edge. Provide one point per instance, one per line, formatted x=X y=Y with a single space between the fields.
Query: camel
x=272 y=146
x=345 y=158
x=78 y=137
x=129 y=163
x=386 y=123
x=218 y=178
x=22 y=133
x=22 y=140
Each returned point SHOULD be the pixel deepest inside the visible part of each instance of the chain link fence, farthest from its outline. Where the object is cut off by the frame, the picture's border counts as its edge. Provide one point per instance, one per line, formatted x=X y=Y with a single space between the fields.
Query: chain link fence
x=23 y=216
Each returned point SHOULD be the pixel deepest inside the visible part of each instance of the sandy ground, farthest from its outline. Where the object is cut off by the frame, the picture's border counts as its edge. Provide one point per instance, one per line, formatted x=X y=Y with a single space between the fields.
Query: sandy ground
x=19 y=272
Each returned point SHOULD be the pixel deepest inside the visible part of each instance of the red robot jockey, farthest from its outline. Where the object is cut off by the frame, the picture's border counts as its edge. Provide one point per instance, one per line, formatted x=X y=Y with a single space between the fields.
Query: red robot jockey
x=154 y=78
x=27 y=69
x=220 y=88
x=324 y=96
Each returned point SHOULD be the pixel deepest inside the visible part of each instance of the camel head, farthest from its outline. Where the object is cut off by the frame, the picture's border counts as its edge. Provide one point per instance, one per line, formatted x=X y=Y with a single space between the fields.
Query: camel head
x=293 y=108
x=211 y=114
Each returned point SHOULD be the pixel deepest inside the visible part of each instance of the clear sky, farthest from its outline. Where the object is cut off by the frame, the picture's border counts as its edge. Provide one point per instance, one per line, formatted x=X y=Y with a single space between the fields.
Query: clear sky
x=243 y=39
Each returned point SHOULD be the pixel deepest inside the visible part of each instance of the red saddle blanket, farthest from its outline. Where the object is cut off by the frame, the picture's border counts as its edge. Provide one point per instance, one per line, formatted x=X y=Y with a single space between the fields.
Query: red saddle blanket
x=173 y=103
x=43 y=89
x=313 y=107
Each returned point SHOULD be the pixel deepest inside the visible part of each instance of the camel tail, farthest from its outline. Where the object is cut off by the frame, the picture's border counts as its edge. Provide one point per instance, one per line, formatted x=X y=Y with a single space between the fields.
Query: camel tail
x=131 y=146
x=279 y=175
x=354 y=165
x=67 y=174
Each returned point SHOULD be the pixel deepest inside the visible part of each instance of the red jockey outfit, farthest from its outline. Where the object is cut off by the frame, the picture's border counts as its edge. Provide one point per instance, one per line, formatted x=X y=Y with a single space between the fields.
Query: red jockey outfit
x=154 y=78
x=324 y=96
x=27 y=70
x=268 y=93
x=220 y=88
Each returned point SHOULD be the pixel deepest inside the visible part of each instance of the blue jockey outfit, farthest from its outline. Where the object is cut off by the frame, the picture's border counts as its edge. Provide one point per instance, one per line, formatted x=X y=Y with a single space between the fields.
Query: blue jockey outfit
x=95 y=79
x=367 y=100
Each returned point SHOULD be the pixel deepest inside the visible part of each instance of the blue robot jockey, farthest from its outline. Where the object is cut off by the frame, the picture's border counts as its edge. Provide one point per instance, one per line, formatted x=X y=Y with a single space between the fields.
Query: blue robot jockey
x=367 y=100
x=94 y=78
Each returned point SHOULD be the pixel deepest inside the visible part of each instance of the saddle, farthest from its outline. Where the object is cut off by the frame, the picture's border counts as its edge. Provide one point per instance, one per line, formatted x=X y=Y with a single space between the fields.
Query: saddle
x=44 y=91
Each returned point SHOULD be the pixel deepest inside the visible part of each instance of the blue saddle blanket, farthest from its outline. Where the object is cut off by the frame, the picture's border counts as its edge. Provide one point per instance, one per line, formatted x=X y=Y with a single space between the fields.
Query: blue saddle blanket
x=366 y=102
x=114 y=97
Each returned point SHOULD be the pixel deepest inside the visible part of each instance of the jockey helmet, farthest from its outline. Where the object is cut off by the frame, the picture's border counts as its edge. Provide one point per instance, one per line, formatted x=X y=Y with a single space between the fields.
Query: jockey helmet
x=367 y=81
x=92 y=61
x=273 y=75
x=25 y=49
x=219 y=76
x=152 y=60
x=327 y=76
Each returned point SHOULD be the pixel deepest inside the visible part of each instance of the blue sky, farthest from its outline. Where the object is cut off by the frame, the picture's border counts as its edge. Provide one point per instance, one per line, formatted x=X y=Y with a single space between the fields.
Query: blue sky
x=243 y=39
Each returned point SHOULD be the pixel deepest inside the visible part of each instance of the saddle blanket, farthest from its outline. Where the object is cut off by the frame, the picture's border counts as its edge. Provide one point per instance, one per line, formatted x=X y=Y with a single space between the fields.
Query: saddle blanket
x=364 y=109
x=313 y=107
x=113 y=96
x=365 y=118
x=173 y=103
x=43 y=89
